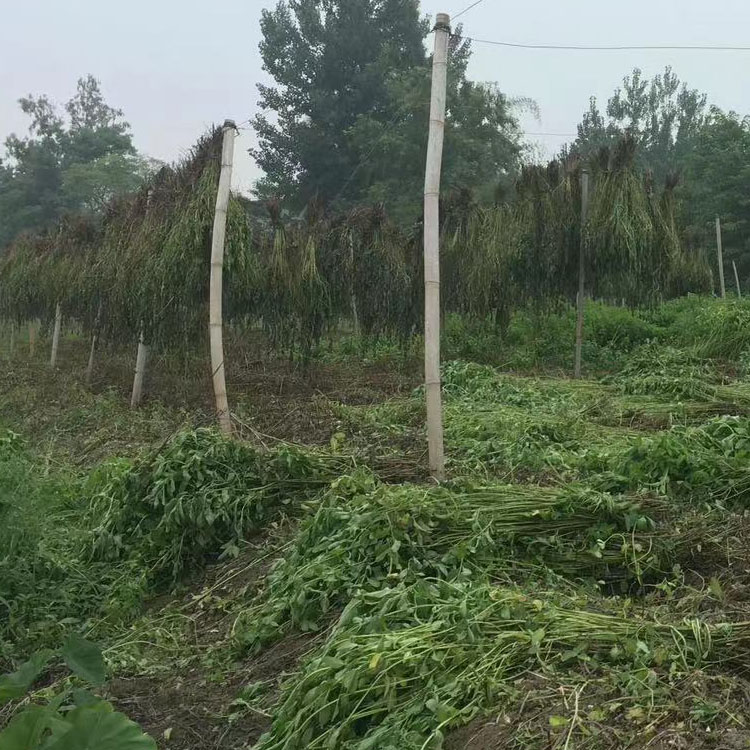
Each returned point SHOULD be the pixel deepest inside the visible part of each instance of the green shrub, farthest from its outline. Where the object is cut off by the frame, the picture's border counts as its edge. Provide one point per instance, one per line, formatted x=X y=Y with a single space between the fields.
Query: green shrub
x=199 y=496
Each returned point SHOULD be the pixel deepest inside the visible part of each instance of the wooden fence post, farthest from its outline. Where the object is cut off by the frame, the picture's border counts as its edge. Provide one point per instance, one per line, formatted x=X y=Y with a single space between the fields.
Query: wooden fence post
x=141 y=357
x=737 y=280
x=215 y=326
x=432 y=248
x=32 y=339
x=92 y=350
x=56 y=336
x=141 y=360
x=581 y=300
x=719 y=252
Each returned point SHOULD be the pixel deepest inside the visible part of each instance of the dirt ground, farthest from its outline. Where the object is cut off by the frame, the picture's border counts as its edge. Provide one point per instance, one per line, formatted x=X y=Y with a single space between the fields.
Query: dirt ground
x=272 y=400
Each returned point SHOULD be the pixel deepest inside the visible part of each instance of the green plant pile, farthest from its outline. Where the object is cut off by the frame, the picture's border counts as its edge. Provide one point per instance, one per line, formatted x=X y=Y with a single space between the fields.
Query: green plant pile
x=702 y=463
x=663 y=370
x=200 y=495
x=405 y=665
x=367 y=536
x=88 y=550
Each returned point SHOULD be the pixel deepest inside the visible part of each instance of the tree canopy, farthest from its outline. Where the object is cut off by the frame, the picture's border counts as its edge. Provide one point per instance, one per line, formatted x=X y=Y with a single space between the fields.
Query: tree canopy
x=683 y=140
x=716 y=182
x=663 y=114
x=346 y=120
x=67 y=163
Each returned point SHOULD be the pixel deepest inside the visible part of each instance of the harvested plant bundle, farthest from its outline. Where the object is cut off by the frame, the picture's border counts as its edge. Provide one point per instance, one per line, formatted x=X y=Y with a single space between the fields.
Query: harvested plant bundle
x=197 y=496
x=404 y=665
x=368 y=536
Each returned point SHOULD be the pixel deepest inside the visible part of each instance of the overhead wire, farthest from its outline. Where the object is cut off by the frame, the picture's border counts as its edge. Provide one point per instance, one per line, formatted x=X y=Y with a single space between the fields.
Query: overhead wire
x=610 y=48
x=466 y=10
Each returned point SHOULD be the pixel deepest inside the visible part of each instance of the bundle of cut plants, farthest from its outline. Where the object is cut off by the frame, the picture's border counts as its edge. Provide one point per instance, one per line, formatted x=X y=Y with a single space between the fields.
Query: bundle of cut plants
x=367 y=536
x=143 y=268
x=656 y=369
x=404 y=665
x=480 y=250
x=200 y=496
x=548 y=216
x=683 y=271
x=704 y=464
x=624 y=254
x=378 y=277
x=38 y=272
x=157 y=248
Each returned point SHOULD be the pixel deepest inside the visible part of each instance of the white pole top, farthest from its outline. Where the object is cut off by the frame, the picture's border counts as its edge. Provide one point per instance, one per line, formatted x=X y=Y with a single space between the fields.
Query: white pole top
x=443 y=19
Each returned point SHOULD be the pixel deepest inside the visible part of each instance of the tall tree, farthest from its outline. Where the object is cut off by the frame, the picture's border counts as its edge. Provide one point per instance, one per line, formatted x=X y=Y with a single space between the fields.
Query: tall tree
x=347 y=118
x=482 y=139
x=72 y=164
x=716 y=182
x=662 y=113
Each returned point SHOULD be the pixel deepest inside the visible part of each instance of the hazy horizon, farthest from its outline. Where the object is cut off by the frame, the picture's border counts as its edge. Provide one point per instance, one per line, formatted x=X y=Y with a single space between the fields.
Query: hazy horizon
x=173 y=74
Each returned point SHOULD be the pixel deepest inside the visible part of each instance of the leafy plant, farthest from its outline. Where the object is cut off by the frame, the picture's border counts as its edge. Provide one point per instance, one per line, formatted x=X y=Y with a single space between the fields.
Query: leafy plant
x=406 y=664
x=198 y=495
x=366 y=536
x=72 y=719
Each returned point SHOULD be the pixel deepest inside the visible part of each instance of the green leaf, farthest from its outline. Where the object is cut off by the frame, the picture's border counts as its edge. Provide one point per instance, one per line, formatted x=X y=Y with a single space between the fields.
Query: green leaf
x=16 y=684
x=25 y=730
x=85 y=659
x=84 y=698
x=558 y=721
x=100 y=728
x=537 y=637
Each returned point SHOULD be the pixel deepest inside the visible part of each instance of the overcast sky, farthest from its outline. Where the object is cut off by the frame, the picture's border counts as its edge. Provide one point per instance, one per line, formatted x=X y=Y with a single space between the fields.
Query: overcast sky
x=176 y=66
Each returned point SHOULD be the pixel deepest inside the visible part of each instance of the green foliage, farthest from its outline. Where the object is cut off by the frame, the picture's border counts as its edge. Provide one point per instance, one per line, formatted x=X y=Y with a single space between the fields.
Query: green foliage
x=716 y=175
x=201 y=494
x=73 y=719
x=663 y=114
x=16 y=684
x=85 y=554
x=678 y=133
x=367 y=536
x=700 y=463
x=39 y=538
x=657 y=369
x=405 y=665
x=66 y=167
x=368 y=146
x=84 y=659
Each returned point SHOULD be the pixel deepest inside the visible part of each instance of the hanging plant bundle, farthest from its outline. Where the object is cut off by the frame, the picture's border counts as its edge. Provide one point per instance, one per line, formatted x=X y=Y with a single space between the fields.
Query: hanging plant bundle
x=144 y=266
x=623 y=252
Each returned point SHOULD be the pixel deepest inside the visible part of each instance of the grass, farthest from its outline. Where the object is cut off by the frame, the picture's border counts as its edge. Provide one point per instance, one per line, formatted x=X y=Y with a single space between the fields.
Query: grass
x=584 y=573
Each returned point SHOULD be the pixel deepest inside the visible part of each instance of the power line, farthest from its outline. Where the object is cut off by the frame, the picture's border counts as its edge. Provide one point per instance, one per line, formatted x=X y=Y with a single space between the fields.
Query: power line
x=466 y=10
x=557 y=135
x=585 y=48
